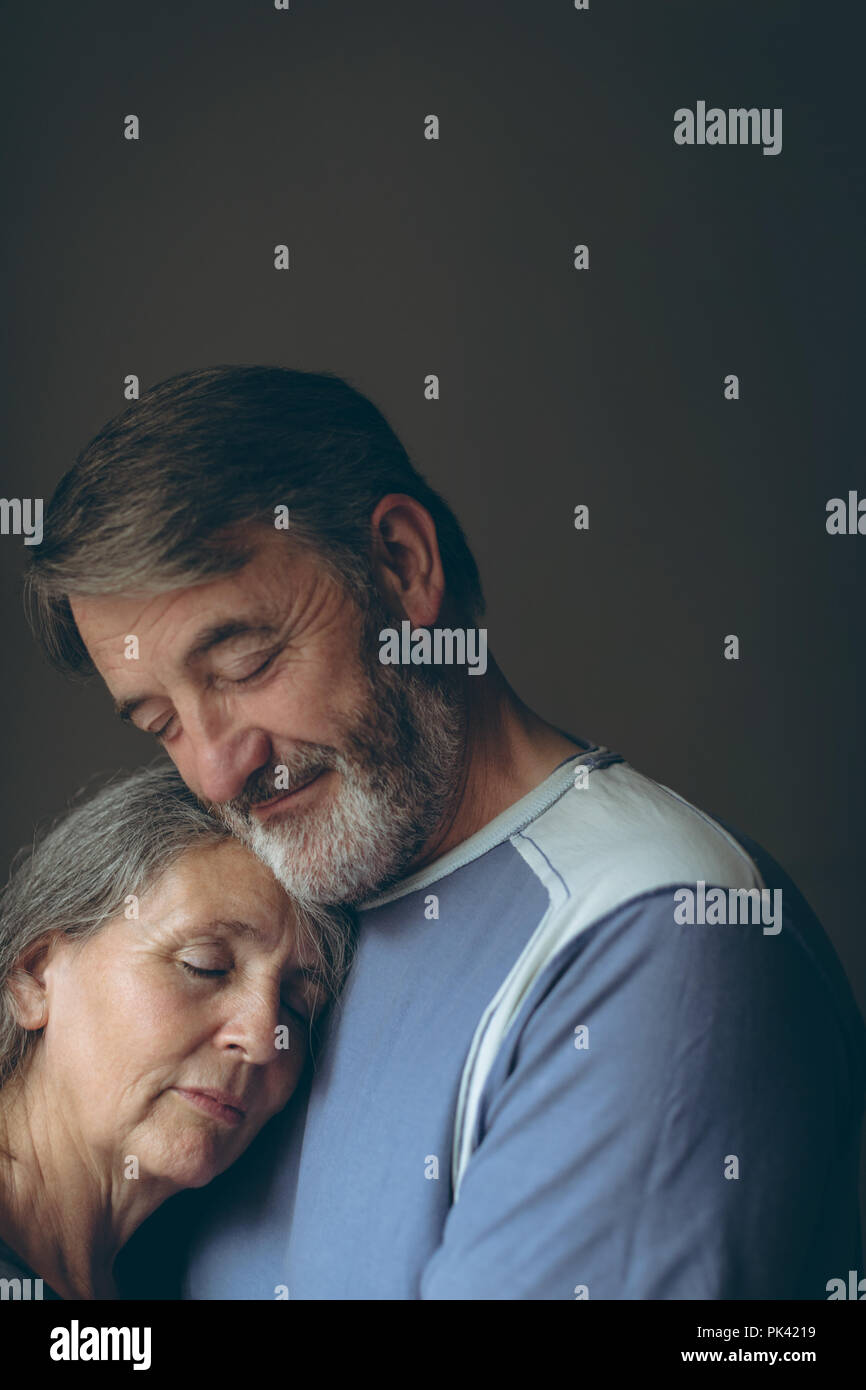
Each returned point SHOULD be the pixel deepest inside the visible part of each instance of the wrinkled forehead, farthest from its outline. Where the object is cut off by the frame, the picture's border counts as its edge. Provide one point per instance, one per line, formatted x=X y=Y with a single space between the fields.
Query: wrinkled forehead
x=185 y=622
x=226 y=884
x=270 y=574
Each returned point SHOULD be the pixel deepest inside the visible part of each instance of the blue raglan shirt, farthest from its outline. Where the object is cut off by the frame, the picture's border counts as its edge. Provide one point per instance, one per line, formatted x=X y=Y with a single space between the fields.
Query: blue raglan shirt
x=667 y=1111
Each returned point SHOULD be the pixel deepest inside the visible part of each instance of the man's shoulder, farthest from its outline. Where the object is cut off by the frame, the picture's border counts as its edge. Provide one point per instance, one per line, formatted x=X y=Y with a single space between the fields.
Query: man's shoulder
x=616 y=834
x=614 y=854
x=618 y=846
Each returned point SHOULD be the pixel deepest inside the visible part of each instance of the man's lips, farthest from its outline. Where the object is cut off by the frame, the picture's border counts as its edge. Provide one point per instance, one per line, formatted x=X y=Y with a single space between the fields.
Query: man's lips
x=219 y=1104
x=263 y=810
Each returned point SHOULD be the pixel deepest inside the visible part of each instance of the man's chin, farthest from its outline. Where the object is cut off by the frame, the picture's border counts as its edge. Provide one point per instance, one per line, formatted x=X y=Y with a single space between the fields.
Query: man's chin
x=310 y=873
x=340 y=840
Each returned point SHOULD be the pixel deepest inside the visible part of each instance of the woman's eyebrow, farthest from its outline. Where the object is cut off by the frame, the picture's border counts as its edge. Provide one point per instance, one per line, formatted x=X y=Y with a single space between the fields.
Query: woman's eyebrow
x=238 y=927
x=190 y=925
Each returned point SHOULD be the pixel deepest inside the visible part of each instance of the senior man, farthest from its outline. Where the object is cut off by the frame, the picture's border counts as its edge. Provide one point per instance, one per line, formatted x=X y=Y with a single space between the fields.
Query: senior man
x=593 y=1042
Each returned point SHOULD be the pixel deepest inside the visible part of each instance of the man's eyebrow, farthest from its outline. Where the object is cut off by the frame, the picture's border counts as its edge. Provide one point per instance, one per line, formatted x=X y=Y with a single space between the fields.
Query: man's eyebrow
x=212 y=636
x=203 y=642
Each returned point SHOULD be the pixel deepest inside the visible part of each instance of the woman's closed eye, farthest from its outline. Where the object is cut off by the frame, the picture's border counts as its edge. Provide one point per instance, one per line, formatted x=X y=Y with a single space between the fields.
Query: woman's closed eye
x=202 y=973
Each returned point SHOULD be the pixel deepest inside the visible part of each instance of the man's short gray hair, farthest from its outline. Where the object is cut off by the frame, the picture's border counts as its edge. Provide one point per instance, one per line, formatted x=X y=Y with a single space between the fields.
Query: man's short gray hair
x=83 y=871
x=162 y=496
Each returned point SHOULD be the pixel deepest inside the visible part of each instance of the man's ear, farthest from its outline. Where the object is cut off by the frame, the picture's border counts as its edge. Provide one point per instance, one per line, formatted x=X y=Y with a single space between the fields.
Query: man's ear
x=29 y=987
x=406 y=558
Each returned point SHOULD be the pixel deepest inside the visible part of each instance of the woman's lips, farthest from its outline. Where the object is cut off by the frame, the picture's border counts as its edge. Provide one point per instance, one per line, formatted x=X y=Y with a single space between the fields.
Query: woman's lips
x=214 y=1103
x=265 y=809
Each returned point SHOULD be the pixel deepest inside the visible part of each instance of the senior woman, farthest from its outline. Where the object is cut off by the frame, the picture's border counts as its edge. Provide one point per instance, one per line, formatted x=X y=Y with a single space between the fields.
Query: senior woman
x=158 y=991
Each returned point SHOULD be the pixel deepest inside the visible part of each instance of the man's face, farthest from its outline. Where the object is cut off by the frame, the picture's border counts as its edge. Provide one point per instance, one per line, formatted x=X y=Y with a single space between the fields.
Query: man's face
x=265 y=689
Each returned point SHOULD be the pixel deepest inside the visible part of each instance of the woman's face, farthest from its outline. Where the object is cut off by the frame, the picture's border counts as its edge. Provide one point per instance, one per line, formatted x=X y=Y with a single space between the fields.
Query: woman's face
x=173 y=1037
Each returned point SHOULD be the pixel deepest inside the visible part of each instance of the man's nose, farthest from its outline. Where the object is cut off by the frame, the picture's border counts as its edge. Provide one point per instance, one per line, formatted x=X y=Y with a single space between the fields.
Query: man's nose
x=218 y=760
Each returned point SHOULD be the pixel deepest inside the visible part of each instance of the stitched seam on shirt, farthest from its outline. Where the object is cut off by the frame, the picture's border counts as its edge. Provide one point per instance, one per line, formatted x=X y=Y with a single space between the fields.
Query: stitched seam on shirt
x=521 y=835
x=426 y=878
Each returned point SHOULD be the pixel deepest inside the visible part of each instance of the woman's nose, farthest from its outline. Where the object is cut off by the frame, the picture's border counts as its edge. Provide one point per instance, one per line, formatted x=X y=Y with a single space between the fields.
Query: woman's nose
x=255 y=1027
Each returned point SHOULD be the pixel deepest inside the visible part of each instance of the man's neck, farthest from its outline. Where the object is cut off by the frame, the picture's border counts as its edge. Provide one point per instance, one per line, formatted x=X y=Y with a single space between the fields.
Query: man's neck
x=509 y=752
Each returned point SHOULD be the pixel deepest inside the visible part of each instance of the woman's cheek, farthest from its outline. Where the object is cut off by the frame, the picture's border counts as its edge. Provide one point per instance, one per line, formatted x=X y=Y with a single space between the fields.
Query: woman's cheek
x=166 y=1010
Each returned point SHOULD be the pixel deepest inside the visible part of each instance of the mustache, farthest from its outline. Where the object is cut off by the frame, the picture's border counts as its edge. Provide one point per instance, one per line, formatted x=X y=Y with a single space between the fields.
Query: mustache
x=293 y=770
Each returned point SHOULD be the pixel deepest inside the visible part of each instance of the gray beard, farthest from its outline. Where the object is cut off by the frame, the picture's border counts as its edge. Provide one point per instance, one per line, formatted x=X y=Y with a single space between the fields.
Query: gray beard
x=399 y=768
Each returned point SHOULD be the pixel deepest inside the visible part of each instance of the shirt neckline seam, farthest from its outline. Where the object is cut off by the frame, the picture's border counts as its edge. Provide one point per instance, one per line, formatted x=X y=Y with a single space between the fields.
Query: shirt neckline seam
x=487 y=838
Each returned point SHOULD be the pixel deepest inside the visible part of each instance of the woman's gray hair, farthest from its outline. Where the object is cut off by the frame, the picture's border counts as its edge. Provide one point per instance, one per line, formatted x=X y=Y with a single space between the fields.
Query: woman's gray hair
x=87 y=867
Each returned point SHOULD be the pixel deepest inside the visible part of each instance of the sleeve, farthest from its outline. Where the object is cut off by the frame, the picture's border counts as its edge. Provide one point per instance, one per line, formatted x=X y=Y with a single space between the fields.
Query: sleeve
x=664 y=1121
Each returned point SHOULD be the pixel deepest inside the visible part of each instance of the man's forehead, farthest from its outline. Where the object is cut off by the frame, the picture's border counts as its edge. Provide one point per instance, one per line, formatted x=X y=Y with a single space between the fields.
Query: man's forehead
x=200 y=615
x=188 y=623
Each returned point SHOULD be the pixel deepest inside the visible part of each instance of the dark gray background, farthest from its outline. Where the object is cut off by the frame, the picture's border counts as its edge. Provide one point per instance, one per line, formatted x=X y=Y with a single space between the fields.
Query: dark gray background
x=558 y=387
